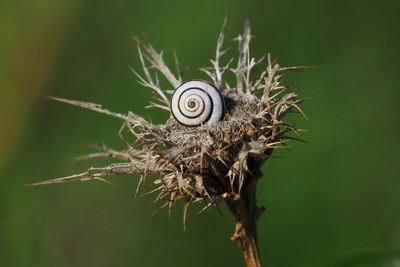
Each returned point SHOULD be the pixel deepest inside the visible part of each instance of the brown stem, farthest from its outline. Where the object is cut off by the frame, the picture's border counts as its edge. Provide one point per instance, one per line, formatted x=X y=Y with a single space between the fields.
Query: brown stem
x=246 y=214
x=246 y=238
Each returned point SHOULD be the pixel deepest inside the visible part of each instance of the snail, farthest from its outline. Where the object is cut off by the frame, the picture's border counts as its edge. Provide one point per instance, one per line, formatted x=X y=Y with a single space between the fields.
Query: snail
x=196 y=102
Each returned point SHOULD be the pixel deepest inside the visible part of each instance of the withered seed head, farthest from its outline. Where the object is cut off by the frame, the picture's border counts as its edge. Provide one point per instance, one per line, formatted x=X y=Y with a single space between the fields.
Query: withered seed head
x=206 y=162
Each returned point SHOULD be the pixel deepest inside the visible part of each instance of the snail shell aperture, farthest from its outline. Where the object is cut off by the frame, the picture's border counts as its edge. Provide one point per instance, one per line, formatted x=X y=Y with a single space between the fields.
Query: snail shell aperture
x=196 y=102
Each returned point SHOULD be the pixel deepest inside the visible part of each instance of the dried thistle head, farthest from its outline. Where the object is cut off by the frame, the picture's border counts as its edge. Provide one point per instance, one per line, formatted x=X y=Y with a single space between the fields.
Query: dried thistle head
x=205 y=162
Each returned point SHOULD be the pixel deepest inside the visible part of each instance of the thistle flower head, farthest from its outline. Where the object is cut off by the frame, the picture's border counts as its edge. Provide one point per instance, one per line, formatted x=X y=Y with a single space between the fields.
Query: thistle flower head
x=205 y=162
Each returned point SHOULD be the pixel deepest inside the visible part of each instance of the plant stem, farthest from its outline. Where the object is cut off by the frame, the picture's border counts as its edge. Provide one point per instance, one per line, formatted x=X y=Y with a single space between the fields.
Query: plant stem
x=247 y=240
x=246 y=214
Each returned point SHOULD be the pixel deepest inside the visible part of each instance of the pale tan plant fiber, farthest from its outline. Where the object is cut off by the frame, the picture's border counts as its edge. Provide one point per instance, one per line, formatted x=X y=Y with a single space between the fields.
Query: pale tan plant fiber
x=206 y=163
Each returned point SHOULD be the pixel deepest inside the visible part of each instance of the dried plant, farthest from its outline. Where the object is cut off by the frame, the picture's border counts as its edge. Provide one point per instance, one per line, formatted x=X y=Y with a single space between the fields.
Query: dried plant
x=206 y=163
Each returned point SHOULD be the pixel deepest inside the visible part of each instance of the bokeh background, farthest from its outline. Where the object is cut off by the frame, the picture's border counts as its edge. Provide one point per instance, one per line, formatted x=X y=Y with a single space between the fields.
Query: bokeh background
x=331 y=202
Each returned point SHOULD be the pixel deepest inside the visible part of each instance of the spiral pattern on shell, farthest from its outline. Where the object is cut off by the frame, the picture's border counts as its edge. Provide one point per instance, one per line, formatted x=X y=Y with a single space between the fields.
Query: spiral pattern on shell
x=196 y=102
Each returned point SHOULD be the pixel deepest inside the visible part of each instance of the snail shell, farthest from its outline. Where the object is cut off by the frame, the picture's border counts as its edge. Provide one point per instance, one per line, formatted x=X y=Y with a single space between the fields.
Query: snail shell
x=196 y=102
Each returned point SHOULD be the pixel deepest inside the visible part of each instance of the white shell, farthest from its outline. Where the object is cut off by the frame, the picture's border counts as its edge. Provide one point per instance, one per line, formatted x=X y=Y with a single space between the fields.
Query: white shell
x=196 y=102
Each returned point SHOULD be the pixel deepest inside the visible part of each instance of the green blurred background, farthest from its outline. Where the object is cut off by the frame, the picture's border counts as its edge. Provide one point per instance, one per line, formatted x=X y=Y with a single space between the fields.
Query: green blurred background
x=331 y=202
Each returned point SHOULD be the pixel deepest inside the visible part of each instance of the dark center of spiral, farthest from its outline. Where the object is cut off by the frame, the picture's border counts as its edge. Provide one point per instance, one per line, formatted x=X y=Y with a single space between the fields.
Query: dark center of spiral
x=192 y=103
